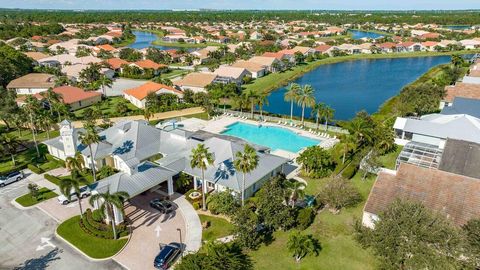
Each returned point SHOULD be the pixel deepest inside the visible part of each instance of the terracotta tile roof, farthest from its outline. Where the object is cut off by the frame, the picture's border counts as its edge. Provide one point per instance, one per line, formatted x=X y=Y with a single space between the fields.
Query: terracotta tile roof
x=36 y=55
x=72 y=94
x=114 y=34
x=430 y=35
x=142 y=91
x=149 y=64
x=322 y=48
x=465 y=90
x=430 y=43
x=196 y=79
x=453 y=195
x=277 y=55
x=248 y=65
x=33 y=80
x=387 y=45
x=116 y=63
x=106 y=47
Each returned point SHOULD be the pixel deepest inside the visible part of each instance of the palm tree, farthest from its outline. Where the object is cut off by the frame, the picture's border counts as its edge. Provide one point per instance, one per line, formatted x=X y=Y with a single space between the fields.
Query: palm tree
x=8 y=145
x=75 y=163
x=295 y=190
x=301 y=245
x=45 y=122
x=31 y=107
x=52 y=97
x=327 y=115
x=306 y=99
x=67 y=185
x=18 y=120
x=347 y=144
x=147 y=113
x=292 y=96
x=88 y=138
x=251 y=96
x=246 y=162
x=107 y=202
x=61 y=81
x=262 y=100
x=318 y=112
x=201 y=159
x=104 y=81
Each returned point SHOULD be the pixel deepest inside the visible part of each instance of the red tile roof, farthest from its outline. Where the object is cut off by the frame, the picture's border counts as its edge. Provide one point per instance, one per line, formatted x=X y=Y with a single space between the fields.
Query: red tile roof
x=142 y=91
x=116 y=63
x=454 y=195
x=106 y=47
x=465 y=90
x=149 y=64
x=277 y=55
x=322 y=48
x=69 y=94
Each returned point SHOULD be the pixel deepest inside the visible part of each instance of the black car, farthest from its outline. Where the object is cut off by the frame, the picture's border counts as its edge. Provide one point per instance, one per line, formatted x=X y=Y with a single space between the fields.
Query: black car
x=163 y=206
x=167 y=256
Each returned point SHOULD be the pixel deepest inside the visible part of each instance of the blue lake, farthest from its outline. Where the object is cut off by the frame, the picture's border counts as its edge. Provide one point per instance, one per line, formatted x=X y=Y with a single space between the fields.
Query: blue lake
x=144 y=40
x=358 y=34
x=352 y=86
x=457 y=27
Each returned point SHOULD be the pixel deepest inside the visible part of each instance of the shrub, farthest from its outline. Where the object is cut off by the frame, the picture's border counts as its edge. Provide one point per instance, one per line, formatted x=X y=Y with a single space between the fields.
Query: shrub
x=305 y=218
x=196 y=205
x=350 y=171
x=316 y=162
x=339 y=193
x=97 y=215
x=52 y=179
x=222 y=203
x=34 y=169
x=100 y=229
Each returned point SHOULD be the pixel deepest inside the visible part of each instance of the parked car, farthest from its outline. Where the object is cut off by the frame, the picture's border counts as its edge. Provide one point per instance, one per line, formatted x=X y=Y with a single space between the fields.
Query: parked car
x=84 y=192
x=10 y=178
x=167 y=256
x=164 y=206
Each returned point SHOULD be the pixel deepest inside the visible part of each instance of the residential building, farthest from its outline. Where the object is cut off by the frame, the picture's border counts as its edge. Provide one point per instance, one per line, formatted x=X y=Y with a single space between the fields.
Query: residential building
x=257 y=70
x=460 y=89
x=32 y=83
x=196 y=81
x=271 y=64
x=227 y=74
x=137 y=96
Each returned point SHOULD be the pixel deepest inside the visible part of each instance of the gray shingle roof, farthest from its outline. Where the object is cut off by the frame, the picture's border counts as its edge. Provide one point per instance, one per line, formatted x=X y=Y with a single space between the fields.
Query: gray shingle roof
x=462 y=105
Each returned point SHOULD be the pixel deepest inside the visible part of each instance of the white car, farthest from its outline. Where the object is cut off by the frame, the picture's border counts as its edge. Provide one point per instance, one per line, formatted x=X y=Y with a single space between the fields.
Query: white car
x=84 y=192
x=10 y=178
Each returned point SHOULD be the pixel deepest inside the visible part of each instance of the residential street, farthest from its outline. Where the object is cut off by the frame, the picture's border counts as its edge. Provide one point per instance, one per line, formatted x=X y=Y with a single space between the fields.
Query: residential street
x=28 y=240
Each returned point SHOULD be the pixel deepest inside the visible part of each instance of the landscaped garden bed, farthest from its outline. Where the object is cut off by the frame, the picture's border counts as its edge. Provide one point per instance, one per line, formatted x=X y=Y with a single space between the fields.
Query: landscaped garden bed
x=43 y=195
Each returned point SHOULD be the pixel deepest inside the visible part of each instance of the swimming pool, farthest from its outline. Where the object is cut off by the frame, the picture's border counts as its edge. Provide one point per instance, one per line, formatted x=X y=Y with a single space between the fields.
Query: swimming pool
x=272 y=137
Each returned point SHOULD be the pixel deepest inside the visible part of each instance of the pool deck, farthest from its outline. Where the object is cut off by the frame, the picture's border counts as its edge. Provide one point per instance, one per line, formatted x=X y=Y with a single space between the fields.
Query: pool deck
x=220 y=124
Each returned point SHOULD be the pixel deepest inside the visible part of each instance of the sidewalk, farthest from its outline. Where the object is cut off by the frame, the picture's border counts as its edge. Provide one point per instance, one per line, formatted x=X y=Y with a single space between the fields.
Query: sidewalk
x=157 y=116
x=193 y=238
x=40 y=180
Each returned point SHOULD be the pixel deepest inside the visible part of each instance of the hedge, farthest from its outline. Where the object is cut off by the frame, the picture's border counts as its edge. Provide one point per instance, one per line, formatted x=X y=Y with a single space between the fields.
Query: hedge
x=52 y=179
x=54 y=159
x=305 y=218
x=34 y=169
x=350 y=171
x=99 y=229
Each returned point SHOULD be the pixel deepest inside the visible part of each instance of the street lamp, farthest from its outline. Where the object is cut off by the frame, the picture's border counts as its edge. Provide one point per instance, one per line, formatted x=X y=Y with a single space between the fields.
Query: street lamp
x=181 y=244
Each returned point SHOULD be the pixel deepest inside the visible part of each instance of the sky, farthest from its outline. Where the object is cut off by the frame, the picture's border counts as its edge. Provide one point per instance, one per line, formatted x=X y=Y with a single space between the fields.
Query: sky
x=244 y=4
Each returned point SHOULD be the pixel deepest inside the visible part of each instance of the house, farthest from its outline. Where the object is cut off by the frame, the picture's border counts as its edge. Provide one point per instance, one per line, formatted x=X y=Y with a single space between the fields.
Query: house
x=257 y=70
x=226 y=74
x=149 y=64
x=196 y=81
x=62 y=60
x=76 y=98
x=461 y=105
x=116 y=64
x=430 y=45
x=429 y=36
x=409 y=46
x=435 y=129
x=324 y=49
x=74 y=71
x=131 y=146
x=105 y=47
x=453 y=195
x=137 y=96
x=201 y=56
x=255 y=35
x=32 y=83
x=460 y=89
x=470 y=44
x=271 y=64
x=36 y=56
x=280 y=56
x=387 y=47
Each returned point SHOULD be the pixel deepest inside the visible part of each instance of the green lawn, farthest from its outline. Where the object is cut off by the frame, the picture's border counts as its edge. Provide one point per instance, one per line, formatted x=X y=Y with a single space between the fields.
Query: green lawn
x=94 y=247
x=172 y=73
x=339 y=249
x=44 y=194
x=389 y=160
x=219 y=227
x=23 y=158
x=108 y=107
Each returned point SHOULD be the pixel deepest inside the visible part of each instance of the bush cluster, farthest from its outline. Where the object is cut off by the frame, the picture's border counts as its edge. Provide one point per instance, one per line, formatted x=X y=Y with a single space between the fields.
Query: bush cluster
x=99 y=229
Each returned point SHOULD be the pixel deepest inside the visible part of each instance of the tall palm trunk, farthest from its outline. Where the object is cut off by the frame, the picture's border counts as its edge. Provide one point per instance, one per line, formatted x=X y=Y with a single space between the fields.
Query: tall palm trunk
x=243 y=190
x=112 y=220
x=80 y=206
x=291 y=110
x=13 y=158
x=303 y=114
x=34 y=136
x=252 y=108
x=316 y=119
x=204 y=187
x=92 y=166
x=326 y=123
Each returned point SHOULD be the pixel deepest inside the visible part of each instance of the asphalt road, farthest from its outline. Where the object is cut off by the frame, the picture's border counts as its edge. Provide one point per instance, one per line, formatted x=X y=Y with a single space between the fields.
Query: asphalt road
x=27 y=239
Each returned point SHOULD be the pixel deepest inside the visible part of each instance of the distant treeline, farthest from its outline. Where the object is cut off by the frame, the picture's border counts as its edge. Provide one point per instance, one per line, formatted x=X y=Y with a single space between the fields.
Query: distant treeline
x=26 y=30
x=466 y=17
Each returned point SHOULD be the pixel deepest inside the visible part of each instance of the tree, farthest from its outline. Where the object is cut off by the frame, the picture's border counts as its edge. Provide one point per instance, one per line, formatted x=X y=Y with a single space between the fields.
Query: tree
x=52 y=97
x=457 y=60
x=201 y=159
x=91 y=73
x=295 y=191
x=8 y=145
x=339 y=193
x=409 y=236
x=71 y=185
x=316 y=162
x=291 y=95
x=31 y=107
x=8 y=106
x=107 y=202
x=318 y=112
x=75 y=164
x=130 y=55
x=346 y=145
x=247 y=228
x=13 y=64
x=147 y=113
x=222 y=203
x=106 y=171
x=245 y=162
x=327 y=115
x=88 y=138
x=104 y=81
x=361 y=127
x=34 y=190
x=302 y=245
x=251 y=95
x=262 y=100
x=305 y=99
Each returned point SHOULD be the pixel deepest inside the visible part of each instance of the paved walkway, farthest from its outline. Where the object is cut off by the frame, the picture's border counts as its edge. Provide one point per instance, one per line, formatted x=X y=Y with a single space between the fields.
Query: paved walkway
x=193 y=238
x=157 y=116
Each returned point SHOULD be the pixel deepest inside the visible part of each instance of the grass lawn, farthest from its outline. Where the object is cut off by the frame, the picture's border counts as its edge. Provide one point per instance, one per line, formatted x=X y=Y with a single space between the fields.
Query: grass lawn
x=109 y=107
x=94 y=247
x=175 y=73
x=23 y=158
x=339 y=248
x=203 y=116
x=44 y=194
x=219 y=227
x=389 y=160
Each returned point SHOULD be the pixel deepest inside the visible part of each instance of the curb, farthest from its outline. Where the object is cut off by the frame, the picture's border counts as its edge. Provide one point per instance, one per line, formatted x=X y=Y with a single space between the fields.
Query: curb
x=88 y=257
x=19 y=206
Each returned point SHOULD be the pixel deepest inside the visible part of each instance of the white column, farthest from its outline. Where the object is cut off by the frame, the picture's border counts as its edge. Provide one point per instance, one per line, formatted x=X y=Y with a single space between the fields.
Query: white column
x=170 y=185
x=195 y=184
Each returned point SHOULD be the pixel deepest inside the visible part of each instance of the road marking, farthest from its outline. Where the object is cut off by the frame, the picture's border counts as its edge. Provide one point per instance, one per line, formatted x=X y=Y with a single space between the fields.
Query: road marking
x=158 y=230
x=46 y=243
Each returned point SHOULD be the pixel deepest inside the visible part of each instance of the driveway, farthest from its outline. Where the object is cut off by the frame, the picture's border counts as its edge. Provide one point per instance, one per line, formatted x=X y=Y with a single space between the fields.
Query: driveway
x=28 y=241
x=150 y=229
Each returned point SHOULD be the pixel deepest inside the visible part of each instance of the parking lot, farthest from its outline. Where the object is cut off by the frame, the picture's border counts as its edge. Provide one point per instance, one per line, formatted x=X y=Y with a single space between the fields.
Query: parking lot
x=150 y=228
